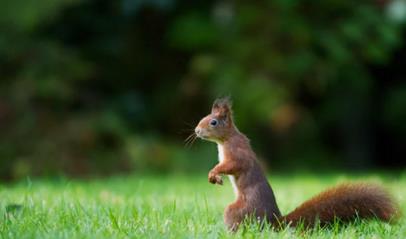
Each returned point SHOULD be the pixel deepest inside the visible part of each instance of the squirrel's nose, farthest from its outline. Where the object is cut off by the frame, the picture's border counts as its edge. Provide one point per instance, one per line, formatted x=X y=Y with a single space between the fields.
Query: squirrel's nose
x=198 y=130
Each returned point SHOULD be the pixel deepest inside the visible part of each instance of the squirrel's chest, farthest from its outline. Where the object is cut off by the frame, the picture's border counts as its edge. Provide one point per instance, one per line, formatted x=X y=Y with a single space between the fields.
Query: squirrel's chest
x=220 y=152
x=221 y=156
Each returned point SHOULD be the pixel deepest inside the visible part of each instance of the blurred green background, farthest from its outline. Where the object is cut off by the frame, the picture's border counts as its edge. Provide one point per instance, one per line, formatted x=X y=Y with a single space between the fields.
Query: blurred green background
x=94 y=88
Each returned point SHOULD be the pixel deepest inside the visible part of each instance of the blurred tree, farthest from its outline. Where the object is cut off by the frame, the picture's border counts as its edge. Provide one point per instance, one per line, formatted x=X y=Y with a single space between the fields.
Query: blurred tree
x=100 y=86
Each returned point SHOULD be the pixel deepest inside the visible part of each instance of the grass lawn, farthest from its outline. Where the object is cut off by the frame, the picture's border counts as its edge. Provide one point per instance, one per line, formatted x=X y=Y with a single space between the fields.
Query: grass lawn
x=169 y=207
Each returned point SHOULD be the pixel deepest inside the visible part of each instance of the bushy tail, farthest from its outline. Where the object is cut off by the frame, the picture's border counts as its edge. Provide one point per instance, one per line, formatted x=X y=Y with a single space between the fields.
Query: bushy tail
x=344 y=202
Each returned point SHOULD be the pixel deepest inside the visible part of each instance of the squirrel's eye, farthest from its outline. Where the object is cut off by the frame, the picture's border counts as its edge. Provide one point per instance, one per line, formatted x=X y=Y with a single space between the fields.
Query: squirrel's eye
x=213 y=122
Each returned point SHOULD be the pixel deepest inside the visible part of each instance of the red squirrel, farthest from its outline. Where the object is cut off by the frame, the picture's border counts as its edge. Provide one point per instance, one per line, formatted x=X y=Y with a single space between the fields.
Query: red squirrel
x=254 y=195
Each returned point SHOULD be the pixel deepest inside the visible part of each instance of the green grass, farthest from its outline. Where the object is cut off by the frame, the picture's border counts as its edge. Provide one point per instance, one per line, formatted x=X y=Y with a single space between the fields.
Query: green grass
x=169 y=207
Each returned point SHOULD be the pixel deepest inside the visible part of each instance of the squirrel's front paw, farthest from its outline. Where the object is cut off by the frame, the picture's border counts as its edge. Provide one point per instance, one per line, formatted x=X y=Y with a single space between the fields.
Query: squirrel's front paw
x=215 y=178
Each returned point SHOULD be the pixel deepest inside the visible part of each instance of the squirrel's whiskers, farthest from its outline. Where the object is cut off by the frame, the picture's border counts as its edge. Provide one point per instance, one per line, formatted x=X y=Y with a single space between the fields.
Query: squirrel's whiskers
x=190 y=140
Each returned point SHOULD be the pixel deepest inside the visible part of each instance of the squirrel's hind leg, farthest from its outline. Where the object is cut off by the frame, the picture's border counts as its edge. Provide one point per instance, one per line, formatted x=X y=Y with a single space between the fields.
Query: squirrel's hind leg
x=234 y=215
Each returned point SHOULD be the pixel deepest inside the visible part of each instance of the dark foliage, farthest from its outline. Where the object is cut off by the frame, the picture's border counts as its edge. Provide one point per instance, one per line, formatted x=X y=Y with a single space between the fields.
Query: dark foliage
x=95 y=87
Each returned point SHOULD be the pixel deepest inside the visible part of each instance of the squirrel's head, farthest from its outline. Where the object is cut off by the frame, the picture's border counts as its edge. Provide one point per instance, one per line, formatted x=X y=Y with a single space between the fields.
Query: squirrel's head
x=218 y=125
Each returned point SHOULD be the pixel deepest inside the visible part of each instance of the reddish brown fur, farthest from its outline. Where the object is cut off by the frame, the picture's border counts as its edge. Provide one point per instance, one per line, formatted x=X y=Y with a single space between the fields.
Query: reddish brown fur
x=345 y=202
x=255 y=196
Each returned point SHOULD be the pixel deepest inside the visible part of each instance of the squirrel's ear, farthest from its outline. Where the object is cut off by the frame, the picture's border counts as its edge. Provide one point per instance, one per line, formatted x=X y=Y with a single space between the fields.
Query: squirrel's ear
x=222 y=107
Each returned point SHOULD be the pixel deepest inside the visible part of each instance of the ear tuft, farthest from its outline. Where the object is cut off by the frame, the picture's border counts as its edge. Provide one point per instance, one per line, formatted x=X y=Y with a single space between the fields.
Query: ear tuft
x=222 y=106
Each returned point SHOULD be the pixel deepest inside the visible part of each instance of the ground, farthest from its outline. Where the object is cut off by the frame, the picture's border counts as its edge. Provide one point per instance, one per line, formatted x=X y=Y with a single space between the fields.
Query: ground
x=167 y=206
